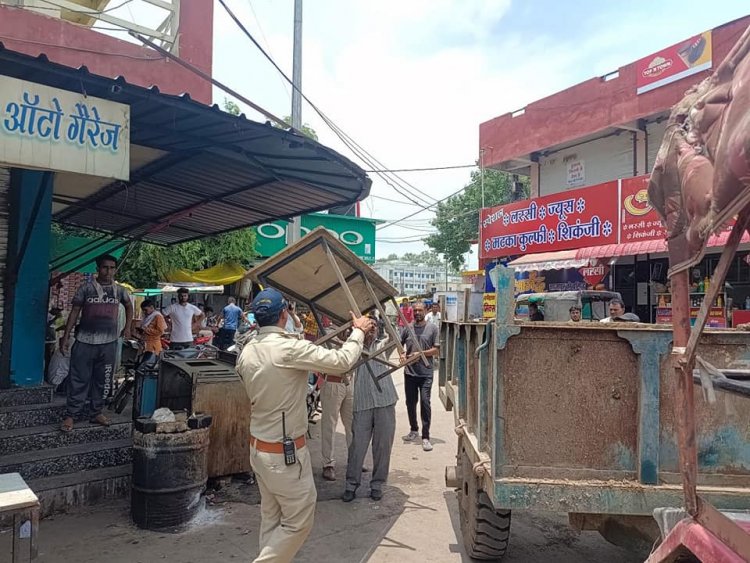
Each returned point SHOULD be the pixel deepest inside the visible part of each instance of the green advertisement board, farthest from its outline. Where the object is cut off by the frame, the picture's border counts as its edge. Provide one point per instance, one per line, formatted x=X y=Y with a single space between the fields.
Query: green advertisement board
x=357 y=233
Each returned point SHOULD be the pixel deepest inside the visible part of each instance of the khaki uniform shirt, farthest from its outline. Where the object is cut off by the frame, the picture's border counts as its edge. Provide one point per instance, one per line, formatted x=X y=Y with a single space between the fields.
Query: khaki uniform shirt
x=274 y=367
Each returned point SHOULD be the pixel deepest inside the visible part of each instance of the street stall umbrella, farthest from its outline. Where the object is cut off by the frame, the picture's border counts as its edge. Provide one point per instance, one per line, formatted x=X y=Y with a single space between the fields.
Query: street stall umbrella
x=330 y=280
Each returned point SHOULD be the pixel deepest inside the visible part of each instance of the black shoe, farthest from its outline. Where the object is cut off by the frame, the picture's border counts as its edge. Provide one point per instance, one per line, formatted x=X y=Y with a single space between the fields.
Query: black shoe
x=375 y=494
x=348 y=496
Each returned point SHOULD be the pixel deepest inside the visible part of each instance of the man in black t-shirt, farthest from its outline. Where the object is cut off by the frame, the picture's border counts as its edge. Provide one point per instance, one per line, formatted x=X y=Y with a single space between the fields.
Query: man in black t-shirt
x=418 y=376
x=92 y=359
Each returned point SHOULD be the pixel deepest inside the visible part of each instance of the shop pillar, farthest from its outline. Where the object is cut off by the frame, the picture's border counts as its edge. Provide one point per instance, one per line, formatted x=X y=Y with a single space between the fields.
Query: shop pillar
x=27 y=276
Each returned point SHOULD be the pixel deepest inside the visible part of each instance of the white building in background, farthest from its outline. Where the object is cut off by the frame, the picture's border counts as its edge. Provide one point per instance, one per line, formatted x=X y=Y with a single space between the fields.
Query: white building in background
x=415 y=279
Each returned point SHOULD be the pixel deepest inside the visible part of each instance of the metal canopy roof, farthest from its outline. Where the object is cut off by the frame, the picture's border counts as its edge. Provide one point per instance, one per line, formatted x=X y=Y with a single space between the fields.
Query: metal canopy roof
x=216 y=172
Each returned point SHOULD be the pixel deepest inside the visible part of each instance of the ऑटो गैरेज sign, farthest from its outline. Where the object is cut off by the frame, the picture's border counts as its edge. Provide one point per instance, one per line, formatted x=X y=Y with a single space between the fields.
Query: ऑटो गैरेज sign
x=51 y=129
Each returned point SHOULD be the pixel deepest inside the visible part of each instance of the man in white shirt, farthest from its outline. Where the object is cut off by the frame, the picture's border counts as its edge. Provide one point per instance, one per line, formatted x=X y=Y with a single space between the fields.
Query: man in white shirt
x=293 y=323
x=181 y=317
x=434 y=317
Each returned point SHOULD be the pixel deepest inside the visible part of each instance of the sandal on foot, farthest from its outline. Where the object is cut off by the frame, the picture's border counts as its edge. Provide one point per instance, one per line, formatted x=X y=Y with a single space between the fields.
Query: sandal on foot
x=67 y=424
x=101 y=419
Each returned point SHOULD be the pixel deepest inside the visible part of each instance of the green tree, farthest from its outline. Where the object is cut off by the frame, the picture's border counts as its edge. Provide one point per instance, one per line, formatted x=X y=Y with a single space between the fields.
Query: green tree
x=144 y=264
x=457 y=218
x=230 y=106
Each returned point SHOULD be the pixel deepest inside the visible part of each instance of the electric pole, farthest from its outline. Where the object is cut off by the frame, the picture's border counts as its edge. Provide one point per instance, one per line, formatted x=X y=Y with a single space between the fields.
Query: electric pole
x=294 y=228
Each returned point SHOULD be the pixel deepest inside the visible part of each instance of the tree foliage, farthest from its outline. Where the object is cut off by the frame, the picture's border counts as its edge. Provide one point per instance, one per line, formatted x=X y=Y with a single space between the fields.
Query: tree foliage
x=306 y=130
x=457 y=218
x=230 y=106
x=145 y=264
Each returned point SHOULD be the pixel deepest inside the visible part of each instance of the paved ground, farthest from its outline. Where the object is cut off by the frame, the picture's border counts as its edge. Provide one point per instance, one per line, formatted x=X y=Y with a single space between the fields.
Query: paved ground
x=416 y=521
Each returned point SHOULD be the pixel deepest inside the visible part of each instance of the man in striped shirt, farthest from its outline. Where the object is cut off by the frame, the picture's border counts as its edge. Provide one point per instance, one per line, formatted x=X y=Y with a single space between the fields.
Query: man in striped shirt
x=374 y=421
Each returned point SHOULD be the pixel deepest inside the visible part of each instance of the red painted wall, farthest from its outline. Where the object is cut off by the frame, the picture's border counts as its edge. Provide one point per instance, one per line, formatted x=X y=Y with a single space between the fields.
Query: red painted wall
x=73 y=45
x=590 y=107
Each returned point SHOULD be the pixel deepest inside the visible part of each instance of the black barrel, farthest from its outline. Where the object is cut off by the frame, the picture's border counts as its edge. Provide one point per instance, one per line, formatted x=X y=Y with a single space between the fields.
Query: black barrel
x=169 y=475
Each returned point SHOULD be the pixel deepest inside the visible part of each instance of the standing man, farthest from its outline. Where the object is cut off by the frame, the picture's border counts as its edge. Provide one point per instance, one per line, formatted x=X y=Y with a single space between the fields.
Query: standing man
x=374 y=421
x=434 y=317
x=153 y=327
x=92 y=359
x=274 y=367
x=407 y=311
x=418 y=376
x=231 y=317
x=293 y=323
x=181 y=316
x=336 y=398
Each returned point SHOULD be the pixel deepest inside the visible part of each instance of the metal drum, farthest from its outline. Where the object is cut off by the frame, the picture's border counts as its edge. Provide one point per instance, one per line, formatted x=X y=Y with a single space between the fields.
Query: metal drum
x=169 y=475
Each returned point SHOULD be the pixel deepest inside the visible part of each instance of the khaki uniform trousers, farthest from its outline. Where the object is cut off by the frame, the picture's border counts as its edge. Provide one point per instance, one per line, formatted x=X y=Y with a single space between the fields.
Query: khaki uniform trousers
x=287 y=503
x=335 y=399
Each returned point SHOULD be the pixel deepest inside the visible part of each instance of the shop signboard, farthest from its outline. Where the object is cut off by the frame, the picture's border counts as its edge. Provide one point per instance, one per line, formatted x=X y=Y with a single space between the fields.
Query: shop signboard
x=674 y=63
x=489 y=305
x=562 y=221
x=639 y=221
x=52 y=129
x=357 y=233
x=569 y=279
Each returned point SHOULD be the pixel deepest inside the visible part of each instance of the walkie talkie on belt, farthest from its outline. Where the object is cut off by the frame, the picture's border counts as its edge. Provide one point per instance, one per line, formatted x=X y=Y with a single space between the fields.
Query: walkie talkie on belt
x=290 y=454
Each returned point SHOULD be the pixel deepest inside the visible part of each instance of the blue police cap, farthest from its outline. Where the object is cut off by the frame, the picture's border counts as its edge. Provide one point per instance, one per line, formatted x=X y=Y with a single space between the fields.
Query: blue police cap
x=268 y=302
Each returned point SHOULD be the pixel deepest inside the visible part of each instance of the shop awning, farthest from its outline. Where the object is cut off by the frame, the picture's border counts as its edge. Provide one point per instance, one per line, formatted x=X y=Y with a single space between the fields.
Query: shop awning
x=195 y=170
x=644 y=247
x=626 y=249
x=548 y=261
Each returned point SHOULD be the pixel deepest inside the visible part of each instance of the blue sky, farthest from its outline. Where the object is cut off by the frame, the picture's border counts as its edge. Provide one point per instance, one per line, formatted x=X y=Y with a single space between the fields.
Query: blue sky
x=410 y=80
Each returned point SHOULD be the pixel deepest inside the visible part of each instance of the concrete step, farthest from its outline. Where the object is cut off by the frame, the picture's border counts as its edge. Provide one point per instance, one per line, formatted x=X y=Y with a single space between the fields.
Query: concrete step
x=24 y=416
x=26 y=395
x=61 y=493
x=49 y=436
x=69 y=459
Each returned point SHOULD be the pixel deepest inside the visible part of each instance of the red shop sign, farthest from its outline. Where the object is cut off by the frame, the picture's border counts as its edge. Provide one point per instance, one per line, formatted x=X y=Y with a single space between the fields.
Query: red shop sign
x=639 y=220
x=674 y=63
x=562 y=221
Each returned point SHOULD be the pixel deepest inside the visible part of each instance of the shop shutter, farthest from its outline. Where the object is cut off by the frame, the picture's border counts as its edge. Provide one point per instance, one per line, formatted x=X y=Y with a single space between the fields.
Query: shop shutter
x=654 y=135
x=4 y=188
x=605 y=159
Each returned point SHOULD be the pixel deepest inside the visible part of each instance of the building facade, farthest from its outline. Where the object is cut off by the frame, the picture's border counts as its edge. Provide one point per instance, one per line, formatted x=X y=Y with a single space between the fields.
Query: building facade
x=589 y=223
x=417 y=279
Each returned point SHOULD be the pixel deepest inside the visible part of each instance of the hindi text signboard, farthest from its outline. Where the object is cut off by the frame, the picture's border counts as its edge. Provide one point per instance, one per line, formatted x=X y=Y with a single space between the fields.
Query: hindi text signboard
x=562 y=221
x=639 y=220
x=51 y=129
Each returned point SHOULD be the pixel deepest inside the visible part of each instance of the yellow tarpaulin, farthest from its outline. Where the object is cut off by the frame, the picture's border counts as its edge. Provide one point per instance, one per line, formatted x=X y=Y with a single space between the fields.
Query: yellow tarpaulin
x=221 y=274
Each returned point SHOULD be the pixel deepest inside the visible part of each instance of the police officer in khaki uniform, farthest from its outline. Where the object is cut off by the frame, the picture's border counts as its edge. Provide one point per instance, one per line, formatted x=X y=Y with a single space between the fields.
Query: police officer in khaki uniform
x=274 y=367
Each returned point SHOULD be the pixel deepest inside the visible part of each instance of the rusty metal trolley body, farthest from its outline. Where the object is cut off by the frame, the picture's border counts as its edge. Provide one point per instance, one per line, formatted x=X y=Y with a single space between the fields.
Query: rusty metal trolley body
x=580 y=418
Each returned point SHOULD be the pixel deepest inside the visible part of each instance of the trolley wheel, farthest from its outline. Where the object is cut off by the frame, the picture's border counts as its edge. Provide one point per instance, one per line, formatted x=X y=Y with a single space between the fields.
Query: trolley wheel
x=485 y=530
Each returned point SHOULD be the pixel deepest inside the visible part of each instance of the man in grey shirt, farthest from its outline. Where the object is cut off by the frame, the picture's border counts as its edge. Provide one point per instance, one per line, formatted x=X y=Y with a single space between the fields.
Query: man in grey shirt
x=93 y=358
x=418 y=375
x=374 y=421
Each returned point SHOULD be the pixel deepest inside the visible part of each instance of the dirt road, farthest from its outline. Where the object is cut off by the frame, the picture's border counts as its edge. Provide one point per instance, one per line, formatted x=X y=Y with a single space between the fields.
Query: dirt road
x=416 y=521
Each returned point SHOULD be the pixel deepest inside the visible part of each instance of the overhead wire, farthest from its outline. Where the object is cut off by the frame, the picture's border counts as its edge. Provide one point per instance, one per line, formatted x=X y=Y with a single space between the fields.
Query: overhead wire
x=268 y=43
x=404 y=188
x=427 y=169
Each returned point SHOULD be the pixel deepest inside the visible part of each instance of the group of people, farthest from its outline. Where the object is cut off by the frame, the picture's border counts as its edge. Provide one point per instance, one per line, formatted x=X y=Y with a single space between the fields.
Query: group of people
x=616 y=313
x=274 y=367
x=102 y=314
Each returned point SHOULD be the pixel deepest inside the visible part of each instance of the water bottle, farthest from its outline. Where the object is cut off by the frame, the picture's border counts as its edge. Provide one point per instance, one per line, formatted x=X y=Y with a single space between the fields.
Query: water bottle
x=747 y=303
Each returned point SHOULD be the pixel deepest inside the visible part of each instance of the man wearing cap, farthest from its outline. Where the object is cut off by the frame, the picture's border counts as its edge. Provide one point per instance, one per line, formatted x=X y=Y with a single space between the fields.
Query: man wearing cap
x=274 y=367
